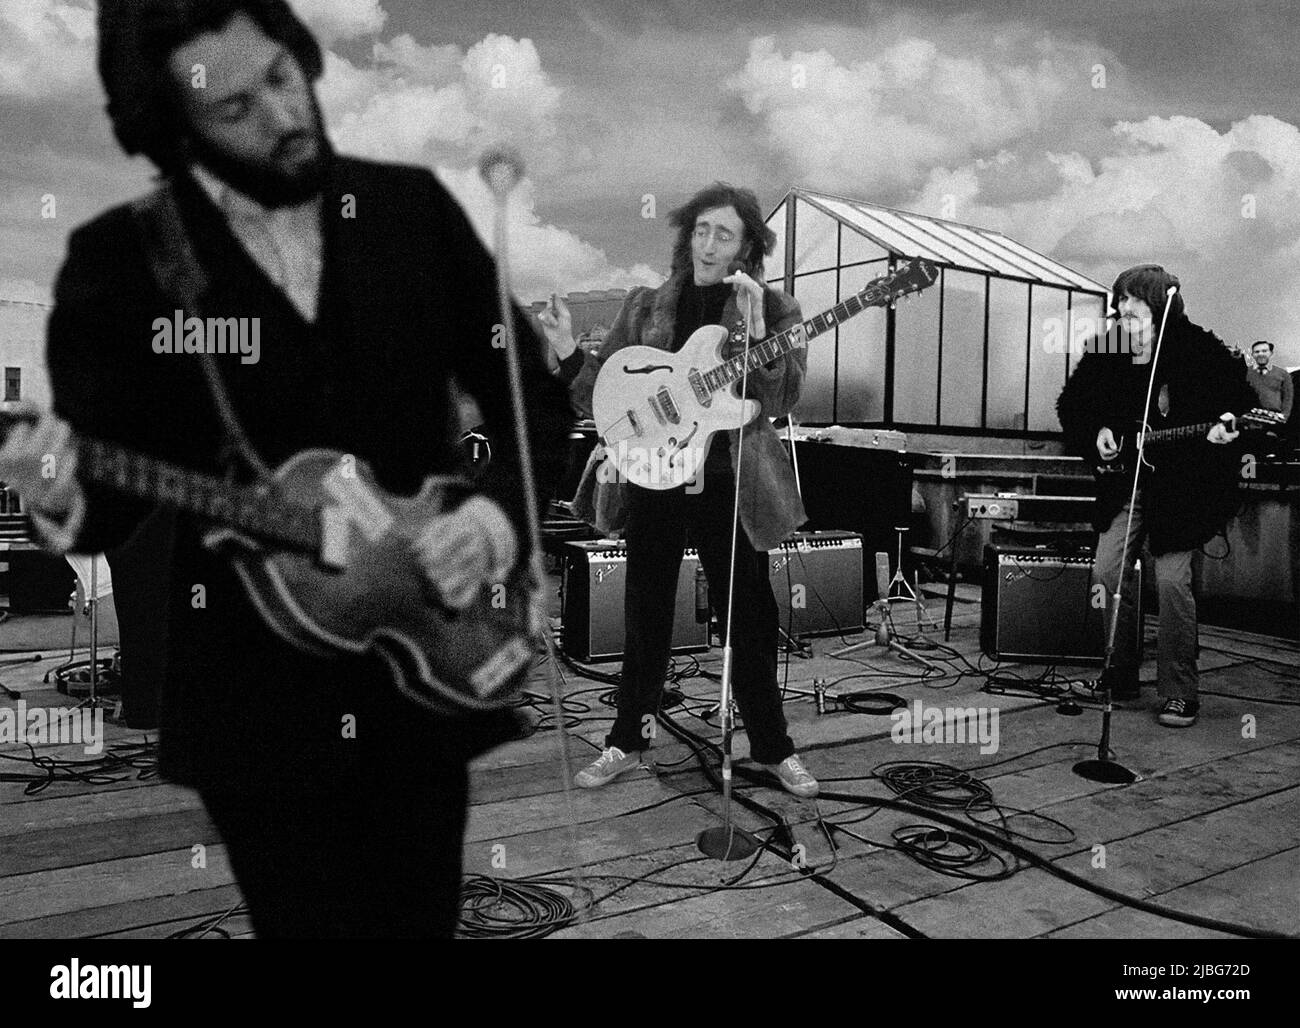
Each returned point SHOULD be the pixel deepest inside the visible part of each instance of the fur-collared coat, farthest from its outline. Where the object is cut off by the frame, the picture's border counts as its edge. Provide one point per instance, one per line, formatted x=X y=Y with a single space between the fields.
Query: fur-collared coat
x=1192 y=490
x=770 y=508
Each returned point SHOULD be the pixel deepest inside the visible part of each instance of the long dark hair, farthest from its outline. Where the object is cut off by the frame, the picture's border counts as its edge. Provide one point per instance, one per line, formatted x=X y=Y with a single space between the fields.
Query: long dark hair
x=136 y=37
x=1149 y=283
x=759 y=239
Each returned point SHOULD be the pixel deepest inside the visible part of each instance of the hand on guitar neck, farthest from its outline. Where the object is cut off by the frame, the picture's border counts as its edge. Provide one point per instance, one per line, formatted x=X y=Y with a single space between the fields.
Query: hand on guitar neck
x=460 y=550
x=1222 y=431
x=1225 y=430
x=39 y=462
x=1116 y=451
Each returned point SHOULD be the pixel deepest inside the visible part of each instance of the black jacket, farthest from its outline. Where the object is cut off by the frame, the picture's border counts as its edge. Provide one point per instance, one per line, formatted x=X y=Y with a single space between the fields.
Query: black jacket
x=1193 y=489
x=408 y=300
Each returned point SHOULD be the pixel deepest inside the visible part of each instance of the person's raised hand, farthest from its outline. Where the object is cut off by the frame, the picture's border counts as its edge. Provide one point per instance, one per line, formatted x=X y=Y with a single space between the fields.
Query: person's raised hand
x=557 y=322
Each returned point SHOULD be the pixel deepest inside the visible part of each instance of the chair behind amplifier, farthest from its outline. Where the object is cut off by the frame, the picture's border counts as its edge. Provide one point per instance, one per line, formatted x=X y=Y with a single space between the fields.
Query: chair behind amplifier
x=1038 y=606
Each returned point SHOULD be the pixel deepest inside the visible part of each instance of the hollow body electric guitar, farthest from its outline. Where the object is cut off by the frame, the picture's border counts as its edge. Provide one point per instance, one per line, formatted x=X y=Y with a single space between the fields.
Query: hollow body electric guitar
x=328 y=559
x=657 y=412
x=1158 y=438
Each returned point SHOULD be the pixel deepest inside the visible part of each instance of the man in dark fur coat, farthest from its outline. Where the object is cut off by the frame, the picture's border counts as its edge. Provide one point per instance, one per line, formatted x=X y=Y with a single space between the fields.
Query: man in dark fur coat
x=1188 y=497
x=341 y=803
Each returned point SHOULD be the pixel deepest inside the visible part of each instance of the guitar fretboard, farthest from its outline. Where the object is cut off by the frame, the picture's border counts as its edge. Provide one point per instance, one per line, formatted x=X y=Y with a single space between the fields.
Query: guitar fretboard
x=257 y=511
x=768 y=350
x=1169 y=435
x=1256 y=418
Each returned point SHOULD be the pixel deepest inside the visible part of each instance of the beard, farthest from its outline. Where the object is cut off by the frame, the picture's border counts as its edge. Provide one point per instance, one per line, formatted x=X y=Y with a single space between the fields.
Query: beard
x=268 y=185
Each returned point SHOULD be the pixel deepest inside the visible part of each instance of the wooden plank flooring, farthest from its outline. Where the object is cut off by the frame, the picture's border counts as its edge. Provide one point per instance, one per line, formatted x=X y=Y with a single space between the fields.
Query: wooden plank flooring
x=1211 y=827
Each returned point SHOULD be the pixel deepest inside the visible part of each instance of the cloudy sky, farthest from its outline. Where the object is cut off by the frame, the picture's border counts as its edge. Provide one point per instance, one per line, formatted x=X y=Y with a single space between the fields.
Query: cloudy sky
x=1100 y=132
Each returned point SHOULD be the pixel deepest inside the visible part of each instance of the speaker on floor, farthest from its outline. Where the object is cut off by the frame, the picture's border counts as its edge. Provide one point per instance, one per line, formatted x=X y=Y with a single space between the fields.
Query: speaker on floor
x=594 y=577
x=817 y=581
x=38 y=582
x=1037 y=605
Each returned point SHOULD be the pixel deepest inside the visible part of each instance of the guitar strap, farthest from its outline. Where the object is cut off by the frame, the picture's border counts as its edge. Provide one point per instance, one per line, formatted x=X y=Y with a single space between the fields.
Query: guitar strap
x=178 y=274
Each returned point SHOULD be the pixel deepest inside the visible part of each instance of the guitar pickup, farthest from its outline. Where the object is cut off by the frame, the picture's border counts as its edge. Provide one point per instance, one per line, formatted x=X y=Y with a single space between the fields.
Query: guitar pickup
x=699 y=387
x=668 y=406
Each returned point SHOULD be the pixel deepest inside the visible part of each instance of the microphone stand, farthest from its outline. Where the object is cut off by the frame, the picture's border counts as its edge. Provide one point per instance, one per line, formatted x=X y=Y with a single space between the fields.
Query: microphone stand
x=93 y=699
x=1103 y=769
x=725 y=842
x=502 y=169
x=794 y=454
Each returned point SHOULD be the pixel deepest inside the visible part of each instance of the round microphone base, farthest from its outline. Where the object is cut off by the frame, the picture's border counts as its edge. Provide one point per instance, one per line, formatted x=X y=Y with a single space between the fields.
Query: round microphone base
x=1105 y=771
x=725 y=842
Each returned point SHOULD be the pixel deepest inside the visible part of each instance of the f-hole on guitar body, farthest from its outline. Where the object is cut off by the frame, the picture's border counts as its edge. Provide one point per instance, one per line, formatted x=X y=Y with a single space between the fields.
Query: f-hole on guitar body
x=657 y=412
x=661 y=420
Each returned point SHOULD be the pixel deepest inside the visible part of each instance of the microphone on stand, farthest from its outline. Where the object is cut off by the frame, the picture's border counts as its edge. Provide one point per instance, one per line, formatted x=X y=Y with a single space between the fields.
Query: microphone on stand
x=502 y=169
x=727 y=842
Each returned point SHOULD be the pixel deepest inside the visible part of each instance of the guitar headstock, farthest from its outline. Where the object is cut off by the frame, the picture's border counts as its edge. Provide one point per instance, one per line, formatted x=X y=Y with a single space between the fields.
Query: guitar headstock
x=1258 y=417
x=904 y=280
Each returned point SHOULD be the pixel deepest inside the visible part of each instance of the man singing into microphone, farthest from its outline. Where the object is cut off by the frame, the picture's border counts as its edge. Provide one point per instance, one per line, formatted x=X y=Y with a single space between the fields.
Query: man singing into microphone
x=1189 y=495
x=719 y=225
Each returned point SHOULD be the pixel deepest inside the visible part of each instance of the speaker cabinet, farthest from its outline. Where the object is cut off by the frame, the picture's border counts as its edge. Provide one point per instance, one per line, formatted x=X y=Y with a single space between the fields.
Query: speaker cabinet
x=817 y=581
x=594 y=577
x=858 y=489
x=1037 y=605
x=37 y=582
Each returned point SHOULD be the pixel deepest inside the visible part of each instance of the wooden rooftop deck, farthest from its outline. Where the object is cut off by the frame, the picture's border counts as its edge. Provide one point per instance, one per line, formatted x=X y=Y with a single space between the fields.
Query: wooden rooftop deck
x=1211 y=827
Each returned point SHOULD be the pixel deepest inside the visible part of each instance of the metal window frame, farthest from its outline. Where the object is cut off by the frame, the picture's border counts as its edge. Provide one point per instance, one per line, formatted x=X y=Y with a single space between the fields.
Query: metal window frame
x=890 y=259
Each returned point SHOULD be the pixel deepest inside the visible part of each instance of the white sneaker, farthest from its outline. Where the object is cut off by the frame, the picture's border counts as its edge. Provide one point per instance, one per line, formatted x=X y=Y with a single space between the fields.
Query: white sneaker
x=794 y=777
x=611 y=763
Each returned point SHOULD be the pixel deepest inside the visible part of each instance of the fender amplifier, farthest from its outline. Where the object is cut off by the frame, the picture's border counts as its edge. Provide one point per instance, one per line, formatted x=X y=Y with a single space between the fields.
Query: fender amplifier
x=1038 y=605
x=817 y=581
x=592 y=617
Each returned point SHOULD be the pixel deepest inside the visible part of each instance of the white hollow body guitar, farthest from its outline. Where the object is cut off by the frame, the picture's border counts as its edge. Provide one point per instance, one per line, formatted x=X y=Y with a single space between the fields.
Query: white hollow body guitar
x=657 y=412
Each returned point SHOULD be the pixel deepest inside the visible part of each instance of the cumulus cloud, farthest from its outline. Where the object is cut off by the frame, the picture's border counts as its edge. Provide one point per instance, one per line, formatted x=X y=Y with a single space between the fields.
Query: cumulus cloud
x=421 y=103
x=881 y=123
x=1221 y=209
x=440 y=106
x=543 y=258
x=340 y=19
x=47 y=48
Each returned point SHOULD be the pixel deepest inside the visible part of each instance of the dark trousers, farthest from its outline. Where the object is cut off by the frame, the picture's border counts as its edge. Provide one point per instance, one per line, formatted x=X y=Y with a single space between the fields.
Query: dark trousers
x=659 y=524
x=336 y=860
x=335 y=834
x=1175 y=572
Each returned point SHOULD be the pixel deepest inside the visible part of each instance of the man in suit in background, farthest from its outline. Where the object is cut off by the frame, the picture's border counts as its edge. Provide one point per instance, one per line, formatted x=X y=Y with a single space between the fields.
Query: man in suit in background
x=1271 y=384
